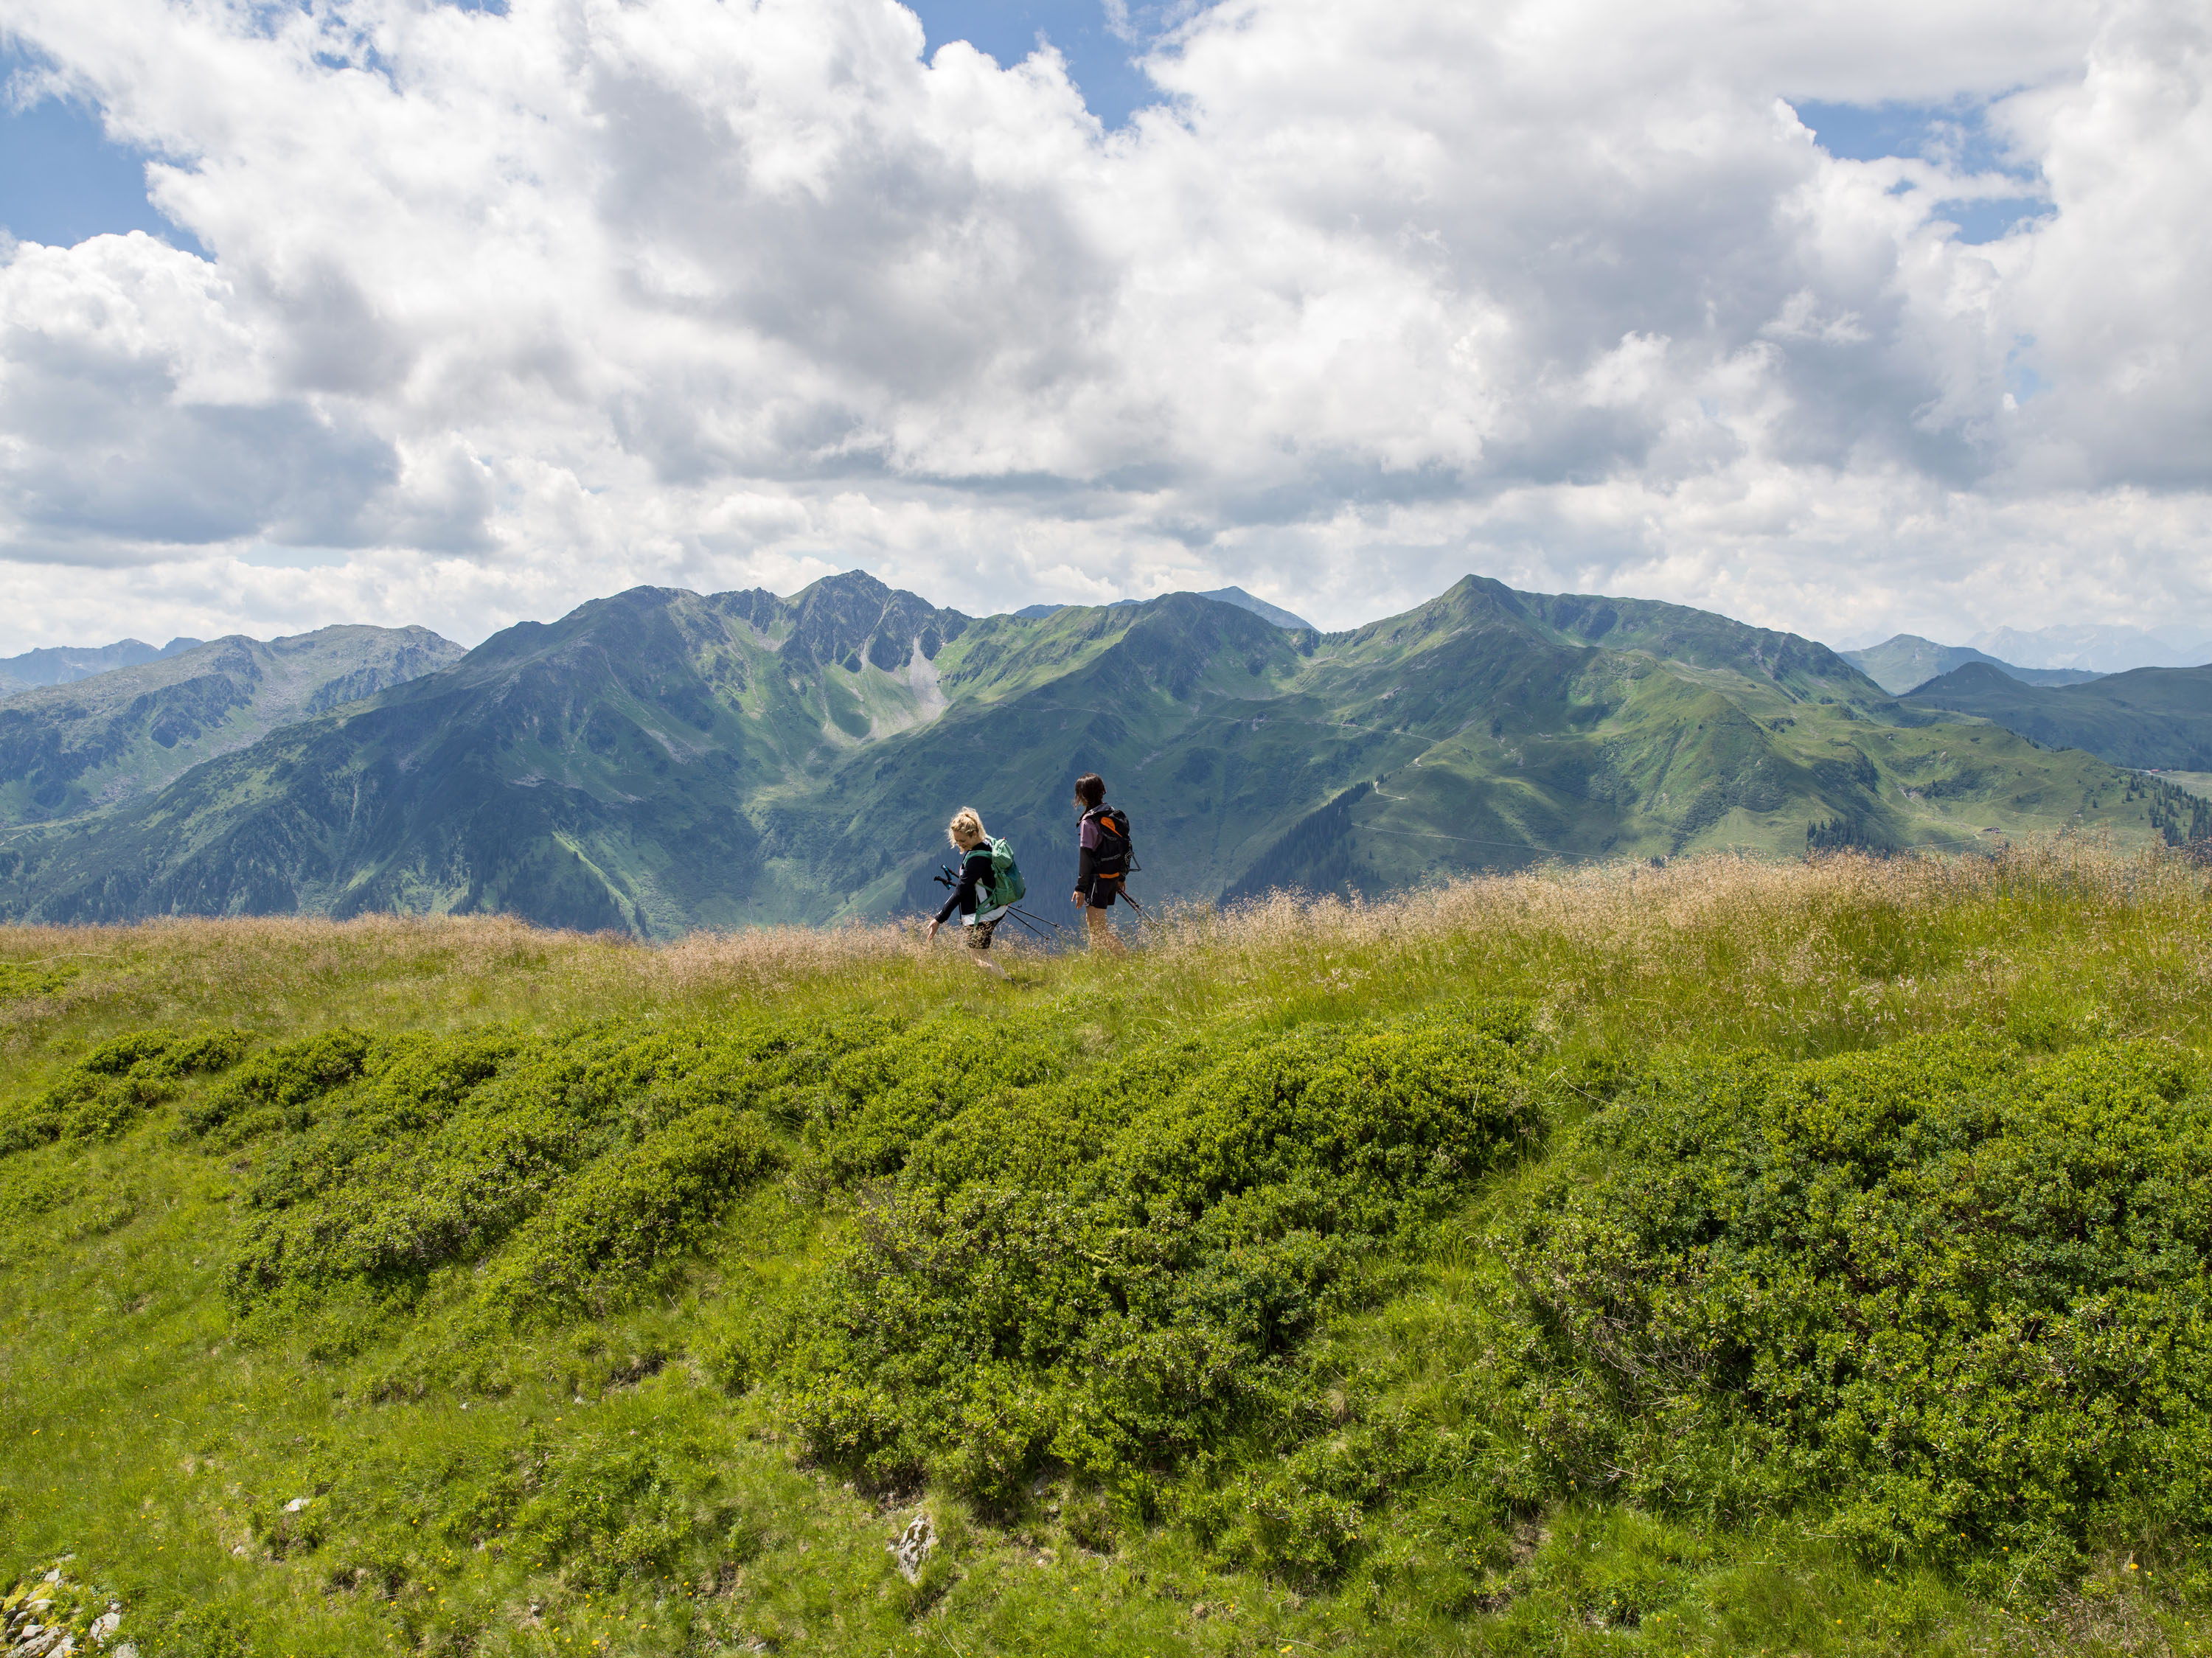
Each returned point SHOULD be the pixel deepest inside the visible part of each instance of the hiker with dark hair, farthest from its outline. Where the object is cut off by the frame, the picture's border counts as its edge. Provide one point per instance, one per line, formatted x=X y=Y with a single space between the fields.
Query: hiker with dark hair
x=1102 y=860
x=974 y=893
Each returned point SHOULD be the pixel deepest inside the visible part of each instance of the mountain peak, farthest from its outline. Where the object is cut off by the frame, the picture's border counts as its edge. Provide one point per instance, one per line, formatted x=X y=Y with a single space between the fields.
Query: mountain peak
x=1905 y=661
x=855 y=583
x=851 y=617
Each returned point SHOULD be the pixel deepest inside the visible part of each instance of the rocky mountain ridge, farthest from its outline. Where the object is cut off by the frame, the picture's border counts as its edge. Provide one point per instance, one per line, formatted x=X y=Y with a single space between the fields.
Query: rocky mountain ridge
x=662 y=760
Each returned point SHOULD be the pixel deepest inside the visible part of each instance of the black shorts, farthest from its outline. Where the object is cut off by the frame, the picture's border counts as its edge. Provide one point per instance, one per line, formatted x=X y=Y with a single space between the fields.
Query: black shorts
x=1103 y=894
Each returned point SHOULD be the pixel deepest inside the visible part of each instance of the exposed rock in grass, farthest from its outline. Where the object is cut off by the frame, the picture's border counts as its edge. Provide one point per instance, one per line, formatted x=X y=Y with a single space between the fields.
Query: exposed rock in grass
x=914 y=1547
x=50 y=1613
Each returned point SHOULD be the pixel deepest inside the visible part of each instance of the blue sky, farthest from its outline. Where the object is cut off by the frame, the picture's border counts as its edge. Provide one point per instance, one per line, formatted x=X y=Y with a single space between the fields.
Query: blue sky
x=1860 y=132
x=61 y=180
x=1098 y=60
x=511 y=314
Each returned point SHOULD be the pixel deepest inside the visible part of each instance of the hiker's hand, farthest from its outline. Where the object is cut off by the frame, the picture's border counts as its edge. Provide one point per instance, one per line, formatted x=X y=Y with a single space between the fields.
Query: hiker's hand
x=930 y=938
x=1077 y=899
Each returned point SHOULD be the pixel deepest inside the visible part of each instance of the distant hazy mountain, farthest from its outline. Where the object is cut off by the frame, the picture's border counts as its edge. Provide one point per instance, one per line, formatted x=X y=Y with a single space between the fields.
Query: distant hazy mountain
x=2157 y=718
x=1898 y=664
x=1259 y=607
x=1237 y=596
x=662 y=760
x=100 y=741
x=2106 y=650
x=60 y=665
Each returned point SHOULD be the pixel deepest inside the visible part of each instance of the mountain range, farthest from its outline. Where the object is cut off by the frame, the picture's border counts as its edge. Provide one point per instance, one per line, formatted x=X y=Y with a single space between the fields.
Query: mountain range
x=661 y=760
x=2099 y=647
x=61 y=664
x=2151 y=717
x=105 y=739
x=1906 y=661
x=1237 y=596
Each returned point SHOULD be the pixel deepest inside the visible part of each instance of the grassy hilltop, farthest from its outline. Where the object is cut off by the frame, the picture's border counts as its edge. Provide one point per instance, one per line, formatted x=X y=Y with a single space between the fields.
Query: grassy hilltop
x=1731 y=1257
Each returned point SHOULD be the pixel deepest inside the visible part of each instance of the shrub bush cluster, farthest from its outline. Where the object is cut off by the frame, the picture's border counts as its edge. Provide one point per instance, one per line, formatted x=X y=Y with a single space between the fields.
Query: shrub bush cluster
x=602 y=1238
x=1950 y=1294
x=574 y=1165
x=390 y=1160
x=1118 y=1273
x=106 y=1091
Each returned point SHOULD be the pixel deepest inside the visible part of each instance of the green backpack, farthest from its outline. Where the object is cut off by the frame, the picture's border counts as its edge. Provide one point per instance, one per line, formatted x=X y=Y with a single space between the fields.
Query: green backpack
x=1007 y=886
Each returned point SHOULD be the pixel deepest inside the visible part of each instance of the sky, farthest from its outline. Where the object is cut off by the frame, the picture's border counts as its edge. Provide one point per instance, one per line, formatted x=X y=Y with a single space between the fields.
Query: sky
x=1849 y=319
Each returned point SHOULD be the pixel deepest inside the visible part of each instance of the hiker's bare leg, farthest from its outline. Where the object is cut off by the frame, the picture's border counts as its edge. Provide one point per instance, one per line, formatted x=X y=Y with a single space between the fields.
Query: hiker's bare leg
x=1103 y=935
x=979 y=944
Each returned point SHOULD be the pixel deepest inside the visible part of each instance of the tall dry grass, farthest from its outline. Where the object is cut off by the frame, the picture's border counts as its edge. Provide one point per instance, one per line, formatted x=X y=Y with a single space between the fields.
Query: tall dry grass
x=1808 y=957
x=289 y=972
x=2044 y=938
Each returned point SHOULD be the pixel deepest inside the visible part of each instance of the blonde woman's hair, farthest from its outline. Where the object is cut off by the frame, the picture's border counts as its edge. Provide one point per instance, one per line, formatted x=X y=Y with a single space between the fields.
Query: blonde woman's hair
x=966 y=830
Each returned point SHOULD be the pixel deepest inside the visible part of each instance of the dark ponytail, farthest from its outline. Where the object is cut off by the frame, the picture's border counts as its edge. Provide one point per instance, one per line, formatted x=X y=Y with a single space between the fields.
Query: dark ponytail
x=1090 y=789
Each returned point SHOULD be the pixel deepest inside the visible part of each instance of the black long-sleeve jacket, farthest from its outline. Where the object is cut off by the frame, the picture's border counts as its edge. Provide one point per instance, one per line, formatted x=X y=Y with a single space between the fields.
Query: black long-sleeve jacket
x=975 y=880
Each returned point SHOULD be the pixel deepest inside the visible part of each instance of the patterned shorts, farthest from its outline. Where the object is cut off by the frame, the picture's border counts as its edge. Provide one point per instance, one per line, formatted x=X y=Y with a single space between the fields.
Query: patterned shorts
x=979 y=935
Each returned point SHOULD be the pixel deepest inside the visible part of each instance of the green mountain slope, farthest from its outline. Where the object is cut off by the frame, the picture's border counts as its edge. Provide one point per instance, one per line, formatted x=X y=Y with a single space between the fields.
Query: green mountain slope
x=2147 y=717
x=588 y=773
x=107 y=739
x=1472 y=733
x=663 y=759
x=1906 y=661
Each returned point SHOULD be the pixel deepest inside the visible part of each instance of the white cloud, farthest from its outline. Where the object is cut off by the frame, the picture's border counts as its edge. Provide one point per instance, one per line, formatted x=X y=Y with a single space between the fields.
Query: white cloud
x=519 y=309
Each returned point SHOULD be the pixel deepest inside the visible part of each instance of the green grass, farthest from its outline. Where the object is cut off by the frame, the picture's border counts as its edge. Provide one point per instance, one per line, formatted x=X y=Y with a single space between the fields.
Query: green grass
x=1321 y=1277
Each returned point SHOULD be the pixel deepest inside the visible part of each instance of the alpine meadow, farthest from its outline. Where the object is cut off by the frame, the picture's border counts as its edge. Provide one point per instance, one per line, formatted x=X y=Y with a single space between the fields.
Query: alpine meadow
x=1732 y=1256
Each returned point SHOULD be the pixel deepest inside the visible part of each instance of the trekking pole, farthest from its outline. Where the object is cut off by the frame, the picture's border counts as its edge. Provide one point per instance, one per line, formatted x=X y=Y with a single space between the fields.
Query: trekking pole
x=1025 y=917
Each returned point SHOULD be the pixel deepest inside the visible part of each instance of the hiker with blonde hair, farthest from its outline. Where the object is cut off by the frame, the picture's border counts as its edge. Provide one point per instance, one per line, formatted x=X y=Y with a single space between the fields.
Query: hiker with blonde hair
x=988 y=885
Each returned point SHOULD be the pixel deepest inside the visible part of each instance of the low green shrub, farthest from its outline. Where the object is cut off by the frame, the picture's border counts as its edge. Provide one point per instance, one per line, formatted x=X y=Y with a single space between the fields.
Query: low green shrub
x=106 y=1091
x=383 y=1162
x=344 y=1198
x=272 y=1089
x=1954 y=1295
x=1117 y=1273
x=600 y=1242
